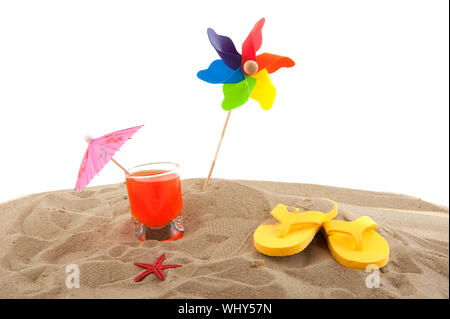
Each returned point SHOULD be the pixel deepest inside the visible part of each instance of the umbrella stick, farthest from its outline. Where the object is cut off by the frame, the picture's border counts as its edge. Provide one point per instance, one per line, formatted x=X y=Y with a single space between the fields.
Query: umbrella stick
x=123 y=169
x=217 y=152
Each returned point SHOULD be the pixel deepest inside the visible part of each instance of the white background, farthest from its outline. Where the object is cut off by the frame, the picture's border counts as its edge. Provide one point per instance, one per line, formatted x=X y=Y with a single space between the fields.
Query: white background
x=365 y=107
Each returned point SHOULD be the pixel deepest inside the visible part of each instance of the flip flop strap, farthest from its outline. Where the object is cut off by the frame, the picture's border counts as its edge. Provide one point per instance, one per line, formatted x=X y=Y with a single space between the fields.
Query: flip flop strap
x=288 y=219
x=333 y=212
x=354 y=228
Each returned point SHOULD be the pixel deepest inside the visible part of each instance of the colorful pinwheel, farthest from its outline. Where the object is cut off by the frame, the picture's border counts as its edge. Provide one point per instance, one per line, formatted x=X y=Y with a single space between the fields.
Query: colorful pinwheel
x=243 y=76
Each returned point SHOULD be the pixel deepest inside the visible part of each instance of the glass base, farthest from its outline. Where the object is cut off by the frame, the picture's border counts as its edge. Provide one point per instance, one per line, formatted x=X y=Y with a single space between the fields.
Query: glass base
x=172 y=231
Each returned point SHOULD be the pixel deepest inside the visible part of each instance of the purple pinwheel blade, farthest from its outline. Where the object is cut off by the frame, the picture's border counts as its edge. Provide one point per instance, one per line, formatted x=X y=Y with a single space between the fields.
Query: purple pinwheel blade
x=225 y=48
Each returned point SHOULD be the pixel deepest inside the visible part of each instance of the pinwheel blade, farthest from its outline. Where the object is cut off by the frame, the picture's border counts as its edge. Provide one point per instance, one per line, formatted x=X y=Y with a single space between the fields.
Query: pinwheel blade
x=237 y=94
x=225 y=48
x=272 y=62
x=264 y=92
x=218 y=72
x=253 y=42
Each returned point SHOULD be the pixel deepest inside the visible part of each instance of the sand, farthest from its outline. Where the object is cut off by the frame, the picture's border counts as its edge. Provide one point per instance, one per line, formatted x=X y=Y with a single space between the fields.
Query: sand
x=43 y=233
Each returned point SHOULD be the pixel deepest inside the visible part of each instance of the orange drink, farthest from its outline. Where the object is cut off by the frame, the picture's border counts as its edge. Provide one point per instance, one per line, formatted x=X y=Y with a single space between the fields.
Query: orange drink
x=154 y=193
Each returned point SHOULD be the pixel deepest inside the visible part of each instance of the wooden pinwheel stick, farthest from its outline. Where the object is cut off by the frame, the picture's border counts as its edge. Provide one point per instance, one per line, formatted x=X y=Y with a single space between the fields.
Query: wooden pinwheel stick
x=217 y=152
x=123 y=169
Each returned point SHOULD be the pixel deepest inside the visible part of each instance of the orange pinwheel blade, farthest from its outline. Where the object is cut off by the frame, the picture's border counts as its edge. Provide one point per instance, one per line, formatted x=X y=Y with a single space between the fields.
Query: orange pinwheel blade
x=272 y=62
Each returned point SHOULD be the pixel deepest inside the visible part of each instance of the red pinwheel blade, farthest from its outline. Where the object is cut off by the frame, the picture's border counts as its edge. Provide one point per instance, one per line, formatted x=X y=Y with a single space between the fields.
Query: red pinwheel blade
x=253 y=42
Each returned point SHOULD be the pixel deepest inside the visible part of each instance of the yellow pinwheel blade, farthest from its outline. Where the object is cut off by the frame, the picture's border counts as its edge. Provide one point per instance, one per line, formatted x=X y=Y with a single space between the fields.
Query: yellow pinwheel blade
x=264 y=92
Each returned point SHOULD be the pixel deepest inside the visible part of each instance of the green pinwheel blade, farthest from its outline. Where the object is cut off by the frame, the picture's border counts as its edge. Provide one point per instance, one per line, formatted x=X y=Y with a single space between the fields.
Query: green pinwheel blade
x=237 y=94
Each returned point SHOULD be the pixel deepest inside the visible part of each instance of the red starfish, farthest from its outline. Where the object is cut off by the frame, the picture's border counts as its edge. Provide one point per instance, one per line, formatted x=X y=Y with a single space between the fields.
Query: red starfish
x=156 y=268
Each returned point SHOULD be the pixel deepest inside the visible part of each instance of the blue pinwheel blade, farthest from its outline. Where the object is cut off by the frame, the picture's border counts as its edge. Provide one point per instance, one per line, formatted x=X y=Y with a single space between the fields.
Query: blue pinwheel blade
x=218 y=72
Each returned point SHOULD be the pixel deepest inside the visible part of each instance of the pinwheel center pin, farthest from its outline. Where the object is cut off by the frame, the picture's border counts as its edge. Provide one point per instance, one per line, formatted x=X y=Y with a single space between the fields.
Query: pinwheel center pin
x=250 y=67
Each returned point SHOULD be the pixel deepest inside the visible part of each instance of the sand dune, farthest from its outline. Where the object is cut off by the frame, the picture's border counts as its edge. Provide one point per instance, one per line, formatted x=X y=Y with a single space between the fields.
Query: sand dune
x=41 y=234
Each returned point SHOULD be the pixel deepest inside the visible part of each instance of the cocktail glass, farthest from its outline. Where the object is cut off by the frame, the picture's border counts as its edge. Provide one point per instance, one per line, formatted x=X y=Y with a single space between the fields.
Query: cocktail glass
x=154 y=193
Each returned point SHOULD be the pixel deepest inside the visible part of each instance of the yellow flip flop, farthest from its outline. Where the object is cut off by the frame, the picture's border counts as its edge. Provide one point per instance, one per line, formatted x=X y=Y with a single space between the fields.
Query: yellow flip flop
x=293 y=233
x=355 y=244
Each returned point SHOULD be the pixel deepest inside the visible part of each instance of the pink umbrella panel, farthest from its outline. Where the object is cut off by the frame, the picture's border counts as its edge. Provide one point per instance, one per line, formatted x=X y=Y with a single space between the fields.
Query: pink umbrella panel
x=99 y=152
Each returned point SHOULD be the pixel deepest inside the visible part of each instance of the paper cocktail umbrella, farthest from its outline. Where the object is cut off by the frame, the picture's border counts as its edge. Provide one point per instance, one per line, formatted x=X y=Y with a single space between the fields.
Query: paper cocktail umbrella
x=99 y=152
x=243 y=76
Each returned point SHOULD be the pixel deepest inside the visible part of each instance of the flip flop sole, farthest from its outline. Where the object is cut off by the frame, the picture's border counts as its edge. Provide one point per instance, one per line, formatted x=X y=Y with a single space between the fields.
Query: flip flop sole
x=375 y=252
x=267 y=242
